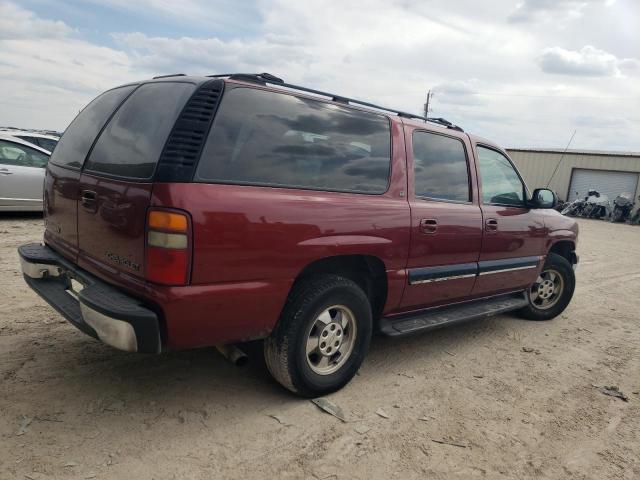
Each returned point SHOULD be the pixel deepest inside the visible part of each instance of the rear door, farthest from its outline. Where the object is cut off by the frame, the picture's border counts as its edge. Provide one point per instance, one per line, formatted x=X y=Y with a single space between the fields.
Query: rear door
x=21 y=176
x=63 y=171
x=117 y=178
x=446 y=222
x=514 y=234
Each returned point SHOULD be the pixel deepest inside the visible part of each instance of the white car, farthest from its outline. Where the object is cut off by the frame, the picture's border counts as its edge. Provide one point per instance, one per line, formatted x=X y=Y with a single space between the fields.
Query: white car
x=38 y=138
x=22 y=169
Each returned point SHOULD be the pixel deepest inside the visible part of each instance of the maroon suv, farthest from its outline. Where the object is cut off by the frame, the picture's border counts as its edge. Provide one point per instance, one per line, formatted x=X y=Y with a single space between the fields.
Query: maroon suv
x=186 y=212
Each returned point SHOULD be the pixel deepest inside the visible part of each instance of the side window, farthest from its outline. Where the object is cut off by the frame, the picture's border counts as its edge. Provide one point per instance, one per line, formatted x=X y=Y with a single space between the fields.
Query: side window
x=275 y=139
x=21 y=155
x=440 y=167
x=47 y=143
x=500 y=182
x=79 y=136
x=132 y=141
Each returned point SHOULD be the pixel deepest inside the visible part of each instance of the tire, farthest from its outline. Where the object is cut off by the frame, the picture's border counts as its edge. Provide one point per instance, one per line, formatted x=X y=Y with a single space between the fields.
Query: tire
x=285 y=350
x=536 y=310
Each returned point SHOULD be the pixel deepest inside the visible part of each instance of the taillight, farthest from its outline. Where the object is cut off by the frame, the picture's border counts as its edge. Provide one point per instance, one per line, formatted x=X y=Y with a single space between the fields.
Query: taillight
x=168 y=250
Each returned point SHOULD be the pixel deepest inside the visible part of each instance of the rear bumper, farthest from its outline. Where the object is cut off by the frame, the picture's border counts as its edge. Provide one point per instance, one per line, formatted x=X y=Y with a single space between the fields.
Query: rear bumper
x=98 y=309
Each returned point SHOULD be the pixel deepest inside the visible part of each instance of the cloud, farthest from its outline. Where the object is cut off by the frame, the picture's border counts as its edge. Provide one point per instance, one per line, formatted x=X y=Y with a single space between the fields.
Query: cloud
x=588 y=61
x=488 y=73
x=528 y=11
x=17 y=23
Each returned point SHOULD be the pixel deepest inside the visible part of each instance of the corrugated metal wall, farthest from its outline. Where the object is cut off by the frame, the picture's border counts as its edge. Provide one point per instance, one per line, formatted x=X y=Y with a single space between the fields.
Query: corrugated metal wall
x=537 y=167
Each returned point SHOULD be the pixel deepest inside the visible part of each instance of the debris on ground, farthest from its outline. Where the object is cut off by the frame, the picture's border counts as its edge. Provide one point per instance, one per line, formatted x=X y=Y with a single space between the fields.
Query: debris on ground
x=446 y=442
x=24 y=425
x=361 y=428
x=613 y=391
x=382 y=413
x=330 y=407
x=531 y=350
x=280 y=420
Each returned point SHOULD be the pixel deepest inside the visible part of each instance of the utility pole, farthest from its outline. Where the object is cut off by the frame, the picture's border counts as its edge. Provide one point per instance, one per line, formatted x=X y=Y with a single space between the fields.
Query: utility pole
x=426 y=105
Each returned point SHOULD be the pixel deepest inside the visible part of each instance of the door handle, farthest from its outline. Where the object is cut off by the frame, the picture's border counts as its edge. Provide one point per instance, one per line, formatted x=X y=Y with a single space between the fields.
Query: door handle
x=491 y=225
x=428 y=225
x=88 y=200
x=4 y=171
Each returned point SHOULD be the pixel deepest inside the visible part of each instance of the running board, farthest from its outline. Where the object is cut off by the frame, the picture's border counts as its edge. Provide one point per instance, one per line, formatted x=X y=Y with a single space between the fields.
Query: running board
x=444 y=316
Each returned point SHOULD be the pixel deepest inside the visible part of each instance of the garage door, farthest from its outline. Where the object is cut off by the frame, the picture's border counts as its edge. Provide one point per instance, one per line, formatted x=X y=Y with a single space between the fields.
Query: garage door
x=606 y=182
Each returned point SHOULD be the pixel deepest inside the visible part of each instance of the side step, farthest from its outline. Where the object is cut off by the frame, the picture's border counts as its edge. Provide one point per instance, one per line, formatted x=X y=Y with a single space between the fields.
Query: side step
x=444 y=316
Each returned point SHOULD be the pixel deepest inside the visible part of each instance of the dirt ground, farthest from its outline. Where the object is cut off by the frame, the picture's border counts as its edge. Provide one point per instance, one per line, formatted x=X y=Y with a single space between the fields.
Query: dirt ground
x=513 y=399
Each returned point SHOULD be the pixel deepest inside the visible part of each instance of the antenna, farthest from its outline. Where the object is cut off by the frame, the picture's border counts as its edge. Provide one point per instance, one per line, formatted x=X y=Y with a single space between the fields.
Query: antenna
x=561 y=157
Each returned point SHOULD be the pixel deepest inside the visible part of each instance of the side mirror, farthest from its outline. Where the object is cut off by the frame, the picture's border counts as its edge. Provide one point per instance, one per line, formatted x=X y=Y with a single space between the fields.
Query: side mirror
x=543 y=198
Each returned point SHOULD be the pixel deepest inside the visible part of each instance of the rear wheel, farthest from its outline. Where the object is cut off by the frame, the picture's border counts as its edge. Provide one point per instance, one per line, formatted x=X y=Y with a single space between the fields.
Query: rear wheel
x=322 y=337
x=552 y=290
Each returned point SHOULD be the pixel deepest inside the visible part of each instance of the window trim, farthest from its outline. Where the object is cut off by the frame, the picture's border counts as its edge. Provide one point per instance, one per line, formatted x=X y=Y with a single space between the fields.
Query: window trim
x=197 y=179
x=413 y=170
x=525 y=189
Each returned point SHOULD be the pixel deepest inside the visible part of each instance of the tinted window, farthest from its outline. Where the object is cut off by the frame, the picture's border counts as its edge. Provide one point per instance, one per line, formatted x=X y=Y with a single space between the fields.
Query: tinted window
x=47 y=143
x=21 y=155
x=74 y=145
x=500 y=182
x=267 y=138
x=440 y=167
x=131 y=143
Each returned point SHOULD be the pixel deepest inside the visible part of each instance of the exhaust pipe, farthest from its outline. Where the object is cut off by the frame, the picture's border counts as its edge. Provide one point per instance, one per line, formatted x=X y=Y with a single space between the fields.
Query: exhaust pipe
x=233 y=354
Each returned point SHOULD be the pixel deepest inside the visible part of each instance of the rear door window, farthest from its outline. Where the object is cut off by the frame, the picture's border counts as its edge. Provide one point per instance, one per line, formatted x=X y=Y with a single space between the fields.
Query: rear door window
x=274 y=139
x=131 y=143
x=440 y=167
x=74 y=145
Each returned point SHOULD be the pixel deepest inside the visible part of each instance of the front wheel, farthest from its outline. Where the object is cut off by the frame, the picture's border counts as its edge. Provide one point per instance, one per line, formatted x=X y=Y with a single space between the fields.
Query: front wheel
x=322 y=337
x=552 y=290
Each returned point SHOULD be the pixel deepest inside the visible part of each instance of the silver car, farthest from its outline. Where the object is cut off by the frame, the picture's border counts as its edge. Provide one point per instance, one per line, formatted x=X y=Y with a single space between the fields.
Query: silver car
x=22 y=168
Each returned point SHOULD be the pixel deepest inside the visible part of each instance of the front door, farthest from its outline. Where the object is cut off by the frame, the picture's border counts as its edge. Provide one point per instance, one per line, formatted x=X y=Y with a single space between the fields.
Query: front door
x=514 y=236
x=446 y=221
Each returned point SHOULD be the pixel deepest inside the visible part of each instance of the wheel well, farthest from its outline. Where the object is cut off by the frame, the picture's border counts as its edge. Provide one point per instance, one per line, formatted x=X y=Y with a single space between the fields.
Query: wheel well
x=366 y=270
x=564 y=248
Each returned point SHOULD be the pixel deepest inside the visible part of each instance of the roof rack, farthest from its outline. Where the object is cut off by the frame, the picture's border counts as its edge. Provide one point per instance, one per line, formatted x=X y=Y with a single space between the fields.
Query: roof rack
x=264 y=78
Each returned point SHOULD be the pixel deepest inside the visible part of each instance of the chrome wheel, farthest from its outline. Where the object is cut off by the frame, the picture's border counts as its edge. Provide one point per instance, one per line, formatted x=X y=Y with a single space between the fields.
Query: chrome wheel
x=547 y=290
x=330 y=339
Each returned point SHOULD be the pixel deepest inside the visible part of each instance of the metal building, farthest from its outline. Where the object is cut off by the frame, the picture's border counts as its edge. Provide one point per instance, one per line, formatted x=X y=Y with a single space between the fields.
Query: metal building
x=610 y=173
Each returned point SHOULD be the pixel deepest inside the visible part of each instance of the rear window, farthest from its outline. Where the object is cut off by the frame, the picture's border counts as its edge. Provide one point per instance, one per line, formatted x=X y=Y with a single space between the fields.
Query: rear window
x=80 y=134
x=273 y=139
x=131 y=143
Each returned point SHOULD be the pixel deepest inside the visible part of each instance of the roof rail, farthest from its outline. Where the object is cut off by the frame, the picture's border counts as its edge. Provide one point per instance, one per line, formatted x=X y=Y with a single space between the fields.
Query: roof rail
x=264 y=78
x=170 y=75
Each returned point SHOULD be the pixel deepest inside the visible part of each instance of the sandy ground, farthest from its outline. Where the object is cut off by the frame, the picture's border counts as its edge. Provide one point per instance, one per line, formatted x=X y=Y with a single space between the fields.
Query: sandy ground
x=71 y=407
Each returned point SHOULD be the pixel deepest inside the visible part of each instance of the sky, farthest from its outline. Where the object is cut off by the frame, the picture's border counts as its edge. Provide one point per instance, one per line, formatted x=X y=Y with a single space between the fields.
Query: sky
x=523 y=73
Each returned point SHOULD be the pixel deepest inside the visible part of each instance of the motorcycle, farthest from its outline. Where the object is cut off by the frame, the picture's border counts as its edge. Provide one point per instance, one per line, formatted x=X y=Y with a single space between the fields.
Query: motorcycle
x=635 y=218
x=576 y=208
x=573 y=209
x=622 y=207
x=596 y=206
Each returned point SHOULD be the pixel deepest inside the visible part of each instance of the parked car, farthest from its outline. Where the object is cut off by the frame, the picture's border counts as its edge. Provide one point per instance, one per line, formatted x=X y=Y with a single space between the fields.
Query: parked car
x=186 y=212
x=22 y=170
x=43 y=140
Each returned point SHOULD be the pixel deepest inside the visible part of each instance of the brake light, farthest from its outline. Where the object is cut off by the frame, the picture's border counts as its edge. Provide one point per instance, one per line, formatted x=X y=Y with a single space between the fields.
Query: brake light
x=168 y=250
